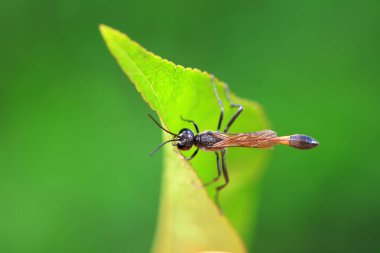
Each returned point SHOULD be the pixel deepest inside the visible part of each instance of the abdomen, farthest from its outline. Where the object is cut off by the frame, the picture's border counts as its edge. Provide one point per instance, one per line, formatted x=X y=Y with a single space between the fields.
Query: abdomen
x=301 y=141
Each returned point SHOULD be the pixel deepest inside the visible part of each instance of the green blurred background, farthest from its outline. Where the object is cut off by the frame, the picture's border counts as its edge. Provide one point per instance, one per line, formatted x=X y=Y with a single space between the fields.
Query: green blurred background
x=75 y=175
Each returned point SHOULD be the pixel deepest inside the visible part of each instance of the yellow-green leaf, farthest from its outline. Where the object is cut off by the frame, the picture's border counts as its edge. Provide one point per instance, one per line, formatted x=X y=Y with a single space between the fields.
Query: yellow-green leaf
x=189 y=221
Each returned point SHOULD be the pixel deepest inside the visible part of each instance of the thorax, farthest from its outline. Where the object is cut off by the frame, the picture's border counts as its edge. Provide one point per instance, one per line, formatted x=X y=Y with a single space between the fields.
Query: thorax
x=206 y=140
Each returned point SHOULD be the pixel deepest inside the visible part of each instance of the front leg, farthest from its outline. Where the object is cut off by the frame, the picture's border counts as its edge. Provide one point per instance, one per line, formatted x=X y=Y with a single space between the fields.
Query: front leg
x=192 y=121
x=193 y=155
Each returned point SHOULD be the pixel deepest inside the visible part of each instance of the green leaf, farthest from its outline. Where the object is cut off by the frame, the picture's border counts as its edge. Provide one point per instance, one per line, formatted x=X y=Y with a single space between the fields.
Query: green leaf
x=189 y=221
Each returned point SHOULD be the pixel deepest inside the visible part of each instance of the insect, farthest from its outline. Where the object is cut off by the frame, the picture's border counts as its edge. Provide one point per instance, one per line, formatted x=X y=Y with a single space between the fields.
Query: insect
x=218 y=141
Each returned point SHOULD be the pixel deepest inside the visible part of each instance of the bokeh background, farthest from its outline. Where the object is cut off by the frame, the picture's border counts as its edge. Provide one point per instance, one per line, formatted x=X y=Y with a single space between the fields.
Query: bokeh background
x=75 y=175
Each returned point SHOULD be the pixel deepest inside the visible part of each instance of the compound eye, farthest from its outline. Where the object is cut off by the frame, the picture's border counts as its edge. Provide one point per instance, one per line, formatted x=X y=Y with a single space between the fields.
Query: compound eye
x=183 y=147
x=186 y=134
x=184 y=131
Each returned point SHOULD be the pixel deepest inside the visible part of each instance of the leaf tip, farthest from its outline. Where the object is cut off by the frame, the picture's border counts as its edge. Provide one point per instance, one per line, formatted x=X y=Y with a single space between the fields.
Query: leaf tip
x=104 y=29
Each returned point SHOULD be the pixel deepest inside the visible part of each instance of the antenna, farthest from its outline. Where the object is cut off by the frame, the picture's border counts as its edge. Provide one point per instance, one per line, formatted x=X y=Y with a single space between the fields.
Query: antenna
x=162 y=144
x=158 y=124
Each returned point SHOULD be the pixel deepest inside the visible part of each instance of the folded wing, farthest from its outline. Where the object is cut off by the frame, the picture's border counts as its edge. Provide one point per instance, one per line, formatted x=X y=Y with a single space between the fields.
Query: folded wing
x=261 y=139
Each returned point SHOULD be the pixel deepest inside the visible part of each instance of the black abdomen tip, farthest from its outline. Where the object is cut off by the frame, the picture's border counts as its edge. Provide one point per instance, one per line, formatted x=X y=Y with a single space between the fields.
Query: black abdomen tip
x=301 y=141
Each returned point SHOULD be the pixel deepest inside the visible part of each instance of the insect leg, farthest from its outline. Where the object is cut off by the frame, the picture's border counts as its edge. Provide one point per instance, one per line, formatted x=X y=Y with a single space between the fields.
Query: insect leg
x=219 y=101
x=237 y=113
x=219 y=171
x=225 y=174
x=192 y=121
x=193 y=155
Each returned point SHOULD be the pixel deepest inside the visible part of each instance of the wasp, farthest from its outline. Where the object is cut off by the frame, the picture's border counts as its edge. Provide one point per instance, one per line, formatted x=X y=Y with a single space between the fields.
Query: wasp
x=218 y=141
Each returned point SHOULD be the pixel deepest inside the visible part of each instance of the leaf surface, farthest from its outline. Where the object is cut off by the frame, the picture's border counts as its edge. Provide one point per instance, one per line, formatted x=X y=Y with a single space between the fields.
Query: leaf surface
x=189 y=221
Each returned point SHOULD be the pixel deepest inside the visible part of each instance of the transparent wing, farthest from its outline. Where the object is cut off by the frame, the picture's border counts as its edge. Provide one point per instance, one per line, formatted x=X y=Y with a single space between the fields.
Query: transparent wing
x=261 y=139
